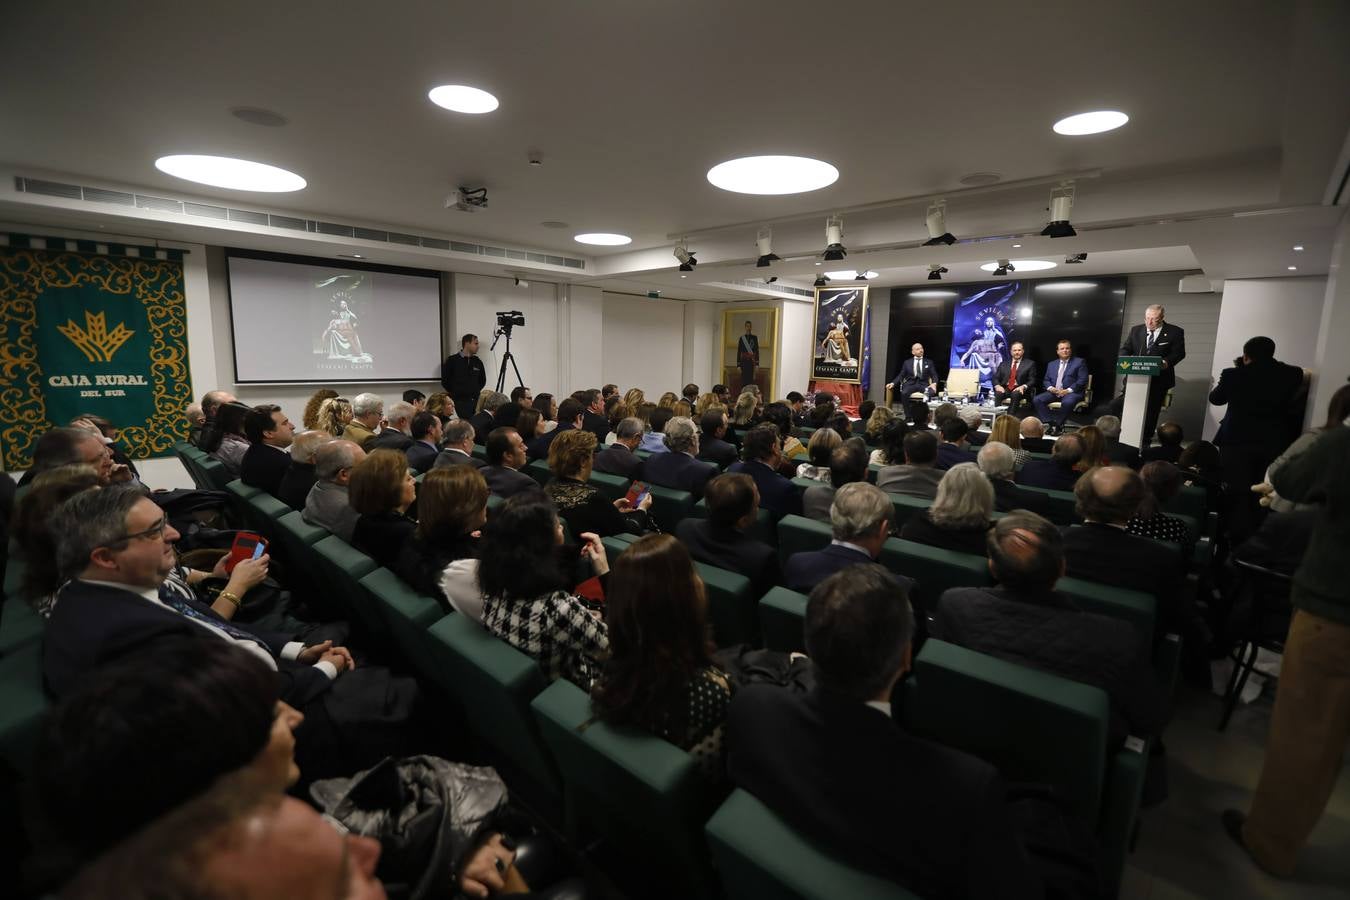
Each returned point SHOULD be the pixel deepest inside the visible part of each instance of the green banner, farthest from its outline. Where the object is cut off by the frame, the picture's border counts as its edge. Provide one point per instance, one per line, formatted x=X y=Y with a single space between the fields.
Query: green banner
x=90 y=334
x=1139 y=365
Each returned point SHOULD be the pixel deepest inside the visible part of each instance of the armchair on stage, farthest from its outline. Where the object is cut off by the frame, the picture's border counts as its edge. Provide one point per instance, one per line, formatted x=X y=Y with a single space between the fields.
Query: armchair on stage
x=1082 y=405
x=959 y=382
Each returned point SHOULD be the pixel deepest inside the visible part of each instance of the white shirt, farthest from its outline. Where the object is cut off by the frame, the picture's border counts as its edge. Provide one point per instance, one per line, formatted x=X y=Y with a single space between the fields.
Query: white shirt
x=862 y=550
x=881 y=706
x=459 y=584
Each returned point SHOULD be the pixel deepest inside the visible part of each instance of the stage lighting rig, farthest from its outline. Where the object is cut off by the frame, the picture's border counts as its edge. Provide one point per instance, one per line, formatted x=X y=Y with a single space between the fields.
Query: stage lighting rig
x=834 y=239
x=1061 y=208
x=1004 y=267
x=821 y=281
x=686 y=258
x=935 y=272
x=936 y=220
x=764 y=241
x=860 y=276
x=1075 y=258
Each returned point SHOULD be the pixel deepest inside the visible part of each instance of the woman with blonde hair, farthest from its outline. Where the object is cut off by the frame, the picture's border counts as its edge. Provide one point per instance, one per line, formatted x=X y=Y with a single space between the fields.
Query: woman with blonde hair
x=668 y=400
x=959 y=518
x=310 y=419
x=1008 y=430
x=744 y=415
x=1094 y=448
x=634 y=398
x=876 y=425
x=682 y=408
x=441 y=405
x=579 y=503
x=703 y=402
x=823 y=443
x=333 y=416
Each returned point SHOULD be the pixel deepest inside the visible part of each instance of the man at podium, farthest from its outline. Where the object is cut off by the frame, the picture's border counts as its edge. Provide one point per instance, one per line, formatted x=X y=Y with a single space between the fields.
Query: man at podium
x=1154 y=338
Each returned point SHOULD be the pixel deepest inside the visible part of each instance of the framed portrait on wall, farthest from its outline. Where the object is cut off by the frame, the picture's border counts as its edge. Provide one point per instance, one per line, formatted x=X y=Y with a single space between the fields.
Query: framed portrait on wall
x=749 y=342
x=840 y=320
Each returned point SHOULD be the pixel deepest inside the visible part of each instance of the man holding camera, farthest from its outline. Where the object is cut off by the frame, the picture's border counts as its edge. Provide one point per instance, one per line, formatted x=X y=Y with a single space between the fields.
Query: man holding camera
x=463 y=376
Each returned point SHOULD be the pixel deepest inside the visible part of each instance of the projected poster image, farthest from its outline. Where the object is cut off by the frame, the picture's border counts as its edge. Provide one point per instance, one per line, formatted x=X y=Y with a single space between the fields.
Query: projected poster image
x=839 y=317
x=341 y=295
x=983 y=327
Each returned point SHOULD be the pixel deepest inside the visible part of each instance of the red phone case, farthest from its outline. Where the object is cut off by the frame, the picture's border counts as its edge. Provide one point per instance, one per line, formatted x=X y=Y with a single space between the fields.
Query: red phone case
x=242 y=549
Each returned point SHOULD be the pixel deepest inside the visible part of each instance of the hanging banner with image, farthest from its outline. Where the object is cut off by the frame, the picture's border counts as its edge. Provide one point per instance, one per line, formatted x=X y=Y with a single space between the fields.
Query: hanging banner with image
x=983 y=328
x=91 y=333
x=840 y=334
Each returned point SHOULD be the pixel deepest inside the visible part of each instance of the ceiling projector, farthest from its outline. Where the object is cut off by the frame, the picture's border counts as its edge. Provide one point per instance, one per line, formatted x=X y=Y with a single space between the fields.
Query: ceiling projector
x=467 y=199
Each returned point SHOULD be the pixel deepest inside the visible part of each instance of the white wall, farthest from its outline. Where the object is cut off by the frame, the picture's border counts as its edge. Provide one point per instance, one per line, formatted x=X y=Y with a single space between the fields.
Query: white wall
x=642 y=343
x=476 y=300
x=795 y=340
x=1286 y=310
x=1332 y=359
x=702 y=332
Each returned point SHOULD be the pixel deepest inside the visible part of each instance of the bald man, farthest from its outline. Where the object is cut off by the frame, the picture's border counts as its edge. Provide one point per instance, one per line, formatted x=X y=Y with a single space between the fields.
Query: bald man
x=1164 y=340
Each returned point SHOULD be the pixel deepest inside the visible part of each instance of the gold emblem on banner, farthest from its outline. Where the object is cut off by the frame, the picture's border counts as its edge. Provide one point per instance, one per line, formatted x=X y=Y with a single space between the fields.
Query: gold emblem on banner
x=95 y=341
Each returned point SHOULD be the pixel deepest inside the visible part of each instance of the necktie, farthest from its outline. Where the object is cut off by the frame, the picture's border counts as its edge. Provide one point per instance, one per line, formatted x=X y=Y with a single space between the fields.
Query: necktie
x=178 y=604
x=916 y=367
x=1148 y=344
x=1012 y=376
x=1059 y=379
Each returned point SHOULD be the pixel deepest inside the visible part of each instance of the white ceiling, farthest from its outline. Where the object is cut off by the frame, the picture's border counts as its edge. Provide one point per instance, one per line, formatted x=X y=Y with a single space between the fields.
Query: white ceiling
x=1235 y=106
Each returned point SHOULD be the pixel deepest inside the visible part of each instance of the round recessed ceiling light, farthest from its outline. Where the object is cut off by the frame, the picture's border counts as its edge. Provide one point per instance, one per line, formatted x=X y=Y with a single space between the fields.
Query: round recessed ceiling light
x=979 y=179
x=1293 y=268
x=932 y=294
x=850 y=275
x=1066 y=285
x=235 y=174
x=1022 y=265
x=773 y=175
x=1017 y=246
x=1091 y=122
x=1298 y=248
x=255 y=115
x=603 y=239
x=553 y=224
x=462 y=99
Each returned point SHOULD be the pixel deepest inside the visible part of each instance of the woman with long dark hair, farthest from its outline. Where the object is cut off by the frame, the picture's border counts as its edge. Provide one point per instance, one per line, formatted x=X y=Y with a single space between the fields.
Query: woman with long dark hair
x=660 y=674
x=225 y=441
x=548 y=413
x=892 y=449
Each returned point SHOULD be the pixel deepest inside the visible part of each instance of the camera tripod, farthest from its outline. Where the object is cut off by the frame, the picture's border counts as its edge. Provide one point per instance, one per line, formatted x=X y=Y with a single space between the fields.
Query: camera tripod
x=507 y=357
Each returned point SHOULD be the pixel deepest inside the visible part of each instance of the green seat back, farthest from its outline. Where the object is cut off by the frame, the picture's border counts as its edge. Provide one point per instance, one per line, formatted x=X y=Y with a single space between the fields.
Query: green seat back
x=872 y=470
x=23 y=704
x=494 y=501
x=905 y=507
x=213 y=473
x=934 y=568
x=539 y=471
x=765 y=528
x=294 y=539
x=1063 y=509
x=804 y=483
x=782 y=617
x=341 y=567
x=479 y=452
x=732 y=606
x=670 y=507
x=262 y=511
x=241 y=490
x=760 y=858
x=1189 y=501
x=1135 y=607
x=407 y=614
x=612 y=486
x=19 y=624
x=645 y=796
x=797 y=534
x=495 y=683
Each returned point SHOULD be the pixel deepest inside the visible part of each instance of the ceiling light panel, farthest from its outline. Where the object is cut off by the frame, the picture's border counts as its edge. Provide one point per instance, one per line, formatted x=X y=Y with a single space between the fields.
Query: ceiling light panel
x=1022 y=265
x=603 y=239
x=462 y=98
x=773 y=175
x=234 y=174
x=1091 y=122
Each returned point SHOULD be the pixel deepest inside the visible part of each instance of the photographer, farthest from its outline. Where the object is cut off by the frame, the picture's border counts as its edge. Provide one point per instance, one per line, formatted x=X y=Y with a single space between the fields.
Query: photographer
x=463 y=375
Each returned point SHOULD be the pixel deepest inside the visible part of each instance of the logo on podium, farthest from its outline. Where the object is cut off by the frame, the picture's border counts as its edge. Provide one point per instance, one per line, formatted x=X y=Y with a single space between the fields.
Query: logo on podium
x=1139 y=365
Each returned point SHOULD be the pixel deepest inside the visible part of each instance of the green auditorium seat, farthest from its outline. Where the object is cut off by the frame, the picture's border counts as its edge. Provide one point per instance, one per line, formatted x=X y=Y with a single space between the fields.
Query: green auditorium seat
x=494 y=682
x=804 y=483
x=539 y=471
x=643 y=795
x=494 y=501
x=19 y=624
x=872 y=470
x=261 y=509
x=765 y=528
x=1136 y=607
x=642 y=454
x=341 y=567
x=782 y=615
x=241 y=490
x=479 y=452
x=1063 y=509
x=214 y=473
x=934 y=568
x=1189 y=501
x=797 y=534
x=612 y=486
x=670 y=506
x=905 y=507
x=407 y=614
x=22 y=706
x=759 y=857
x=1036 y=728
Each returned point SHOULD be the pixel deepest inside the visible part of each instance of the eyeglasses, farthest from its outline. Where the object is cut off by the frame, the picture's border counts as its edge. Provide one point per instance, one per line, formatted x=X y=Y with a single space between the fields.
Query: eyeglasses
x=154 y=532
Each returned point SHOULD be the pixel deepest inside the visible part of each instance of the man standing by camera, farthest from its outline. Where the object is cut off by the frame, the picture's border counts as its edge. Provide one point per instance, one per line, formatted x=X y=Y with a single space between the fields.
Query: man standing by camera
x=463 y=376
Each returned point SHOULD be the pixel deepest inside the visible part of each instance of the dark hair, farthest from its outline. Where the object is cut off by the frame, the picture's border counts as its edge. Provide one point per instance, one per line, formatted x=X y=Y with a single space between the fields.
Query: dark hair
x=780 y=414
x=1339 y=407
x=660 y=416
x=506 y=415
x=609 y=390
x=422 y=423
x=866 y=408
x=847 y=465
x=795 y=397
x=30 y=530
x=527 y=424
x=841 y=425
x=412 y=396
x=919 y=413
x=1068 y=451
x=821 y=398
x=1170 y=434
x=1163 y=480
x=758 y=442
x=921 y=448
x=498 y=445
x=709 y=422
x=153 y=729
x=1094 y=445
x=819 y=415
x=1025 y=551
x=518 y=555
x=1116 y=504
x=612 y=403
x=466 y=338
x=517 y=392
x=659 y=638
x=719 y=388
x=229 y=419
x=618 y=412
x=954 y=429
x=542 y=402
x=1259 y=349
x=944 y=412
x=1202 y=456
x=729 y=497
x=893 y=441
x=588 y=397
x=259 y=420
x=568 y=410
x=310 y=417
x=858 y=622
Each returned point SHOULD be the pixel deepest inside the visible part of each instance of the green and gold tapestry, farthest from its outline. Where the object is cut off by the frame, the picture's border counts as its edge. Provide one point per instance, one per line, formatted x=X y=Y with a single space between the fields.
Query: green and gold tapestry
x=91 y=333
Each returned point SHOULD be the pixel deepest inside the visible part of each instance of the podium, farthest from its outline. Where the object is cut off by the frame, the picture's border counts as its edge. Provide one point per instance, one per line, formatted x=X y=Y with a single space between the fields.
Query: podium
x=1138 y=372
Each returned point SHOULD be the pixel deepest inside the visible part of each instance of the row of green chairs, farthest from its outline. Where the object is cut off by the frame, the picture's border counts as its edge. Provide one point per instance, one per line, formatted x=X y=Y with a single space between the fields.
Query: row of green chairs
x=207 y=474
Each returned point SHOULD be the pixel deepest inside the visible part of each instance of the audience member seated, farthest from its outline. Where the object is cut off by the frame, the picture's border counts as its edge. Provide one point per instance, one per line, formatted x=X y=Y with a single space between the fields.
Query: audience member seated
x=996 y=461
x=954 y=449
x=593 y=418
x=1033 y=436
x=60 y=447
x=1163 y=481
x=1006 y=430
x=482 y=420
x=890 y=446
x=521 y=396
x=396 y=434
x=1202 y=466
x=618 y=411
x=527 y=599
x=858 y=428
x=1117 y=454
x=1102 y=551
x=918 y=477
x=763 y=455
x=425 y=431
x=225 y=440
x=918 y=415
x=547 y=408
x=974 y=420
x=848 y=464
x=581 y=504
x=654 y=441
x=778 y=414
x=1059 y=472
x=451 y=508
x=820 y=414
x=1094 y=448
x=35 y=541
x=712 y=447
x=569 y=419
x=527 y=424
x=620 y=458
x=1168 y=448
x=721 y=539
x=797 y=405
x=212 y=401
x=743 y=413
x=660 y=675
x=1025 y=620
x=381 y=490
x=196 y=421
x=837 y=766
x=679 y=469
x=442 y=406
x=457 y=447
x=860 y=521
x=505 y=458
x=506 y=416
x=875 y=425
x=265 y=461
x=942 y=413
x=335 y=414
x=818 y=449
x=841 y=425
x=300 y=475
x=416 y=399
x=367 y=411
x=109 y=433
x=959 y=517
x=329 y=503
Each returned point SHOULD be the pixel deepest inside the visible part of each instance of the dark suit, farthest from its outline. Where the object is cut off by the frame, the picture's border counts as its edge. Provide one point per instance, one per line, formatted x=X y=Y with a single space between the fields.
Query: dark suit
x=538 y=448
x=716 y=450
x=421 y=455
x=596 y=424
x=1167 y=454
x=912 y=377
x=747 y=357
x=923 y=530
x=381 y=536
x=264 y=467
x=390 y=439
x=1048 y=473
x=295 y=484
x=930 y=818
x=1019 y=402
x=949 y=455
x=776 y=494
x=1122 y=454
x=617 y=459
x=1038 y=445
x=482 y=425
x=1109 y=555
x=1075 y=378
x=463 y=378
x=809 y=568
x=679 y=471
x=727 y=548
x=1008 y=496
x=1169 y=343
x=456 y=457
x=507 y=482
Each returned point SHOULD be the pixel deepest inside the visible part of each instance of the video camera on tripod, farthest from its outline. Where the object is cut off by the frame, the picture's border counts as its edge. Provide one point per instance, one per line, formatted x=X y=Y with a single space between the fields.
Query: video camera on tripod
x=510 y=318
x=506 y=320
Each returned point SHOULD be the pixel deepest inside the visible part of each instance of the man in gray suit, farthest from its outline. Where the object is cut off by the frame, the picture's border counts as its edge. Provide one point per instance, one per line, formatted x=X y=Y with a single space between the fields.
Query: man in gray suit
x=919 y=476
x=458 y=446
x=848 y=463
x=327 y=504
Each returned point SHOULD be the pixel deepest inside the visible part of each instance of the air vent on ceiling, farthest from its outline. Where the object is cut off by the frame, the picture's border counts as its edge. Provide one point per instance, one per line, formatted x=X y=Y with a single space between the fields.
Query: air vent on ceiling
x=207 y=211
x=780 y=288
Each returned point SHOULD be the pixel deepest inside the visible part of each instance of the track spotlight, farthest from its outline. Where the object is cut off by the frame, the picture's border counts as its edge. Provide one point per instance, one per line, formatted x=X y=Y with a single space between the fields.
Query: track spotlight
x=834 y=239
x=861 y=276
x=687 y=261
x=1074 y=258
x=764 y=240
x=1004 y=267
x=521 y=282
x=935 y=273
x=937 y=225
x=771 y=279
x=1061 y=207
x=821 y=281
